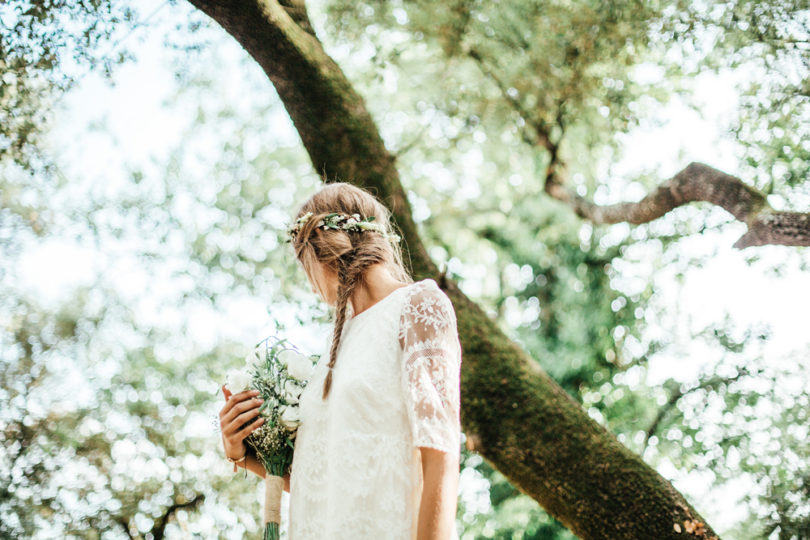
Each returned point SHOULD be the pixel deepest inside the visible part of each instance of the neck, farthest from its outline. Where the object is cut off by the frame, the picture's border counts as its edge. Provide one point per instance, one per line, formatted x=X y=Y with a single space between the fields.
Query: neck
x=378 y=284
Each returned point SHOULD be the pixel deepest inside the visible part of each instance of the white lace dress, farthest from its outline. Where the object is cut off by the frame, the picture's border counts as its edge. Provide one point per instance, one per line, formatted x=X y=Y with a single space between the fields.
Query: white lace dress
x=357 y=471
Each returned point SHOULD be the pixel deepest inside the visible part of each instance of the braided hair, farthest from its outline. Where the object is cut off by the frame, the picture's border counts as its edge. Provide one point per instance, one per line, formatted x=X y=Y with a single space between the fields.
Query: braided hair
x=345 y=253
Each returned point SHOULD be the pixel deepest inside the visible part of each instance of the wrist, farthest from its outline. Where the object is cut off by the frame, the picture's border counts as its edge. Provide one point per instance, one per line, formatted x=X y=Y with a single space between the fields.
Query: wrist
x=238 y=460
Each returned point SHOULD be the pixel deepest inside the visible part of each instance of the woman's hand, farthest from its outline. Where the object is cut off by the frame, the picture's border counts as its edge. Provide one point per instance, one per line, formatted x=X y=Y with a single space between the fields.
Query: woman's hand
x=238 y=410
x=232 y=419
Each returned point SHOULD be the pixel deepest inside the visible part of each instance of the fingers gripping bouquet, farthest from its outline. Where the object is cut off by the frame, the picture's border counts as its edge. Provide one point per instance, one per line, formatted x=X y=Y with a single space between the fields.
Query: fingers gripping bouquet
x=280 y=373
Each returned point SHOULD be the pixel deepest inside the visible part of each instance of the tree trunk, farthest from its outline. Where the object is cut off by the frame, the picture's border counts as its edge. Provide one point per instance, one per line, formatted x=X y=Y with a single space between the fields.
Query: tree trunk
x=513 y=414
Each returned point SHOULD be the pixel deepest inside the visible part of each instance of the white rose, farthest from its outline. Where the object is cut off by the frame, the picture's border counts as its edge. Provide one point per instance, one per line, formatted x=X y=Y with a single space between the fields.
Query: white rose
x=290 y=417
x=237 y=380
x=254 y=359
x=298 y=365
x=292 y=392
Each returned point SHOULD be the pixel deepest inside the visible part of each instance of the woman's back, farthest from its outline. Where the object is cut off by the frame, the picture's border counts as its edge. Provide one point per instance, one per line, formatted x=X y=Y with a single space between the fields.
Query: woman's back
x=356 y=471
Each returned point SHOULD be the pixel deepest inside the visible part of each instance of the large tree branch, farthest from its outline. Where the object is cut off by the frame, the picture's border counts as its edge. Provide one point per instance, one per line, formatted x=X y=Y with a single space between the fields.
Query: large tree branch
x=513 y=414
x=297 y=10
x=699 y=182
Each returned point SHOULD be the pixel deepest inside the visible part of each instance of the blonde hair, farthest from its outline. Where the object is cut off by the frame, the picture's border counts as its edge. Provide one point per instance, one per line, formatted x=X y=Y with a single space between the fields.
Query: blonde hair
x=348 y=254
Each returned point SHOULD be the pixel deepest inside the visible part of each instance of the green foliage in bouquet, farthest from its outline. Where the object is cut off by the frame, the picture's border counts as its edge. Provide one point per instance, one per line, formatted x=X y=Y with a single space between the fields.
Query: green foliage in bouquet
x=280 y=373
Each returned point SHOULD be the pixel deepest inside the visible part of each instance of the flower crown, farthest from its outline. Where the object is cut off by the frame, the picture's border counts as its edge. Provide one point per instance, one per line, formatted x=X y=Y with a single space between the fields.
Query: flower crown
x=336 y=220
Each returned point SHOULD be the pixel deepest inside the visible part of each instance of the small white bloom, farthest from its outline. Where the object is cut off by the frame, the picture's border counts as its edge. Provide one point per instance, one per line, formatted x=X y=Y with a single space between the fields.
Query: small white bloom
x=298 y=366
x=356 y=216
x=237 y=381
x=350 y=222
x=369 y=226
x=290 y=417
x=292 y=392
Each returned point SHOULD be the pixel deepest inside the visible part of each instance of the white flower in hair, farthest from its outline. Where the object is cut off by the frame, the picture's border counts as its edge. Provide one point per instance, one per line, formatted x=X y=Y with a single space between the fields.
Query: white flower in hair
x=349 y=223
x=294 y=229
x=369 y=226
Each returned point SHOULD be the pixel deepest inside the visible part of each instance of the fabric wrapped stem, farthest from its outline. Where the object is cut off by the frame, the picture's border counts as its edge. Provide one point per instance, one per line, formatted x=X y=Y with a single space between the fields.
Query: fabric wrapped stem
x=273 y=488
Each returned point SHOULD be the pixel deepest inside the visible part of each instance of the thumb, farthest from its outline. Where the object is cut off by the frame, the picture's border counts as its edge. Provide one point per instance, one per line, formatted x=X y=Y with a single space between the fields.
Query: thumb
x=226 y=392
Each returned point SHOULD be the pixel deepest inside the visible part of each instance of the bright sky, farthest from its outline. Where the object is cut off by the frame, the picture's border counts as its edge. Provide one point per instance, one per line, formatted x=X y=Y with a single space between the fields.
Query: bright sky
x=140 y=130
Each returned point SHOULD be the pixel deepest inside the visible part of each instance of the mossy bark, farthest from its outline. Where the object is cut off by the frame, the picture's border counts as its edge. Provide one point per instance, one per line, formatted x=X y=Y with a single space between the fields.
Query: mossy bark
x=513 y=414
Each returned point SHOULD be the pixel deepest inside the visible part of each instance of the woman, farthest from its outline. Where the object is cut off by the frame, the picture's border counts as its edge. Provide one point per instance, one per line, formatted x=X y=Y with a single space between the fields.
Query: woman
x=377 y=452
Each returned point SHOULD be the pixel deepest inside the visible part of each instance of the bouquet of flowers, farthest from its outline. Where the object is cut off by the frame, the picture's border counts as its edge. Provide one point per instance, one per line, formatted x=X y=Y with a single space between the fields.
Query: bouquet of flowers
x=280 y=373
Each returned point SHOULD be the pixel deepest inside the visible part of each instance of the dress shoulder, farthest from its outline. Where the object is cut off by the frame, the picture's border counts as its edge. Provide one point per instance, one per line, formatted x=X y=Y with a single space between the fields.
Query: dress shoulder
x=426 y=312
x=430 y=363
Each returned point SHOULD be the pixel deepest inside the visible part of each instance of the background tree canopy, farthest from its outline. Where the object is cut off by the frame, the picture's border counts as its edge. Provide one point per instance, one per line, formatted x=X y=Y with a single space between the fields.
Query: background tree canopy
x=142 y=246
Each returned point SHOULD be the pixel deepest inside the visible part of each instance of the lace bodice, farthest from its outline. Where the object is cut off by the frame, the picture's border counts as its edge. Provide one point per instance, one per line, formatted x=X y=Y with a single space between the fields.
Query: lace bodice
x=356 y=470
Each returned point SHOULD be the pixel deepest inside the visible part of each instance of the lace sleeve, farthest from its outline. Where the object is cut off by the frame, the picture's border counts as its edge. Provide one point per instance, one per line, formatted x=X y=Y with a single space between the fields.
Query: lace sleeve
x=431 y=363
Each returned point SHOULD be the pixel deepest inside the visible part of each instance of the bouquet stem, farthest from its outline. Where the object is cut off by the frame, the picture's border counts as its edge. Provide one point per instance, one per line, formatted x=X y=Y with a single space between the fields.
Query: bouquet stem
x=273 y=488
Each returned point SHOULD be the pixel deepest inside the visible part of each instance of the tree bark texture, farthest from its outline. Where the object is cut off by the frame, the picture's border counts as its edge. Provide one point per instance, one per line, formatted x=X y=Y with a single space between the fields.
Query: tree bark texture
x=513 y=414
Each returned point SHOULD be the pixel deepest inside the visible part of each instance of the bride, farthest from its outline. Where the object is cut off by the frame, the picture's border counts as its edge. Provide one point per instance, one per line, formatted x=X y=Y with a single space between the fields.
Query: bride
x=377 y=451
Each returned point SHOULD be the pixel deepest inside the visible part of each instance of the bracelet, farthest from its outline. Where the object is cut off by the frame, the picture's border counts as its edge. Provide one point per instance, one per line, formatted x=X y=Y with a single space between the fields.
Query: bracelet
x=235 y=461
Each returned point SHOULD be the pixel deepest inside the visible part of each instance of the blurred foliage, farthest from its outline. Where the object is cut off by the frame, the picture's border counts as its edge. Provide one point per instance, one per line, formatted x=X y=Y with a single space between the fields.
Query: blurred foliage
x=45 y=47
x=560 y=67
x=581 y=72
x=110 y=425
x=769 y=42
x=110 y=429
